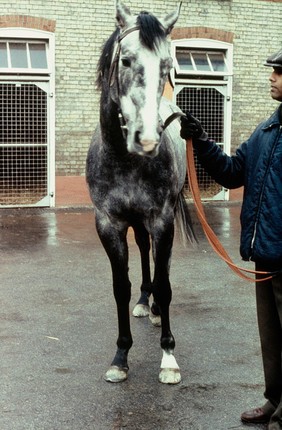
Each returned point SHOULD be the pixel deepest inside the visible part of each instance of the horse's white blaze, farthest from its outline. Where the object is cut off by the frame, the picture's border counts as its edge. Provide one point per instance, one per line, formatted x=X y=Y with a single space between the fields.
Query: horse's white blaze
x=149 y=111
x=129 y=113
x=140 y=103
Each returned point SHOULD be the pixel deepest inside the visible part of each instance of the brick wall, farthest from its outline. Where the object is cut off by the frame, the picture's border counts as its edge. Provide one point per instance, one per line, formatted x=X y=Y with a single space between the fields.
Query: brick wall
x=81 y=27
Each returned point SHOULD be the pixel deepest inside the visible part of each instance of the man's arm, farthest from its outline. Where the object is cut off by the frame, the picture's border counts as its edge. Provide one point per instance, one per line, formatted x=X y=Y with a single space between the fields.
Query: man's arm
x=226 y=170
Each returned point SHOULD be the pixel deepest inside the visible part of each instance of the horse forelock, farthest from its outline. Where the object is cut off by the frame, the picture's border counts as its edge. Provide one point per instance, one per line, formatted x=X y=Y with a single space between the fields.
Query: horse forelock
x=151 y=30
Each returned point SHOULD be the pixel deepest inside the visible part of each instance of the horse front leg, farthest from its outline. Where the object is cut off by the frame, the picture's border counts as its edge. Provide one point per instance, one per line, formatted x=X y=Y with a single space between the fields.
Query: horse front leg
x=170 y=372
x=115 y=244
x=142 y=308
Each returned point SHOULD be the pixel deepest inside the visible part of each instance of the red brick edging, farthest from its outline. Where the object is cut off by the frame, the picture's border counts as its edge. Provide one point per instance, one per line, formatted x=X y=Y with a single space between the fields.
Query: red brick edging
x=26 y=21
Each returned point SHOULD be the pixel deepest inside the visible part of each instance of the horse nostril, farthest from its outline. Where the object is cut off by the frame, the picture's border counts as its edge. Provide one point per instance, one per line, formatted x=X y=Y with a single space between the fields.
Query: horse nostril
x=137 y=136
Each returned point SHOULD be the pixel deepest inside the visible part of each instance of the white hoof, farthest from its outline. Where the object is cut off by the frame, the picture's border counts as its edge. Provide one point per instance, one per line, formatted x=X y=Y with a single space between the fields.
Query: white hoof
x=170 y=373
x=155 y=319
x=141 y=311
x=170 y=376
x=115 y=374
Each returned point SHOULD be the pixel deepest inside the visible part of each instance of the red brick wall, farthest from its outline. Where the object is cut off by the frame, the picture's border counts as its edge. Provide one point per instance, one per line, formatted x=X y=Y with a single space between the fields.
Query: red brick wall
x=203 y=32
x=26 y=21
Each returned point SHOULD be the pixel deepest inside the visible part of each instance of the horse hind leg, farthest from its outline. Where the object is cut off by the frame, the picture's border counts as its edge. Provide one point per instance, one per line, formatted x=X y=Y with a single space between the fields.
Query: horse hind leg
x=142 y=308
x=155 y=315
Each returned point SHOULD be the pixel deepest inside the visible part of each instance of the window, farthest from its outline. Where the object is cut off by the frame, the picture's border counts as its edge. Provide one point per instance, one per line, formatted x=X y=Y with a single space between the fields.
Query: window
x=202 y=79
x=205 y=58
x=27 y=112
x=28 y=56
x=195 y=61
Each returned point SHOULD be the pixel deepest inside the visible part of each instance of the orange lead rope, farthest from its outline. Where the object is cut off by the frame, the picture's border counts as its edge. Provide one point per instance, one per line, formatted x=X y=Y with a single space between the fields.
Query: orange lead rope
x=211 y=236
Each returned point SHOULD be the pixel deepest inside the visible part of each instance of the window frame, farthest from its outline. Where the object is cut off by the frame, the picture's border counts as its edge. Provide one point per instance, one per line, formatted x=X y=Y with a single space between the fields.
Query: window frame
x=44 y=79
x=198 y=79
x=28 y=36
x=207 y=46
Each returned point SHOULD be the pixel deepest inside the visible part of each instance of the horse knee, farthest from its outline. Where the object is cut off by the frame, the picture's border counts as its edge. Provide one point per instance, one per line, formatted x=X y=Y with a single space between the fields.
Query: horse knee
x=122 y=293
x=162 y=296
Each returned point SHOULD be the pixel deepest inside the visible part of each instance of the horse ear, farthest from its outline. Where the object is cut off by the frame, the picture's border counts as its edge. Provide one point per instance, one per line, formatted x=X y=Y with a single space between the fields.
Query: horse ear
x=169 y=20
x=123 y=15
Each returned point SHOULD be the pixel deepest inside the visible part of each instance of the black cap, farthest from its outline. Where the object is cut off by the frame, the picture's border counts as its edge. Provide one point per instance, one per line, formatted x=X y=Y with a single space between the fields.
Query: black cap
x=274 y=60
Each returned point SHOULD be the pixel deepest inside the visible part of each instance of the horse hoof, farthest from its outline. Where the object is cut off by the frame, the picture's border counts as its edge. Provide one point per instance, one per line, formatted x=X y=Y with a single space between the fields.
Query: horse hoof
x=170 y=376
x=141 y=311
x=115 y=374
x=155 y=319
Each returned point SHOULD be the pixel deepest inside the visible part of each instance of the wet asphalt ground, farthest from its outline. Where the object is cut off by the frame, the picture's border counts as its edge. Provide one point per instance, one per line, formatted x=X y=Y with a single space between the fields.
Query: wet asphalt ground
x=59 y=328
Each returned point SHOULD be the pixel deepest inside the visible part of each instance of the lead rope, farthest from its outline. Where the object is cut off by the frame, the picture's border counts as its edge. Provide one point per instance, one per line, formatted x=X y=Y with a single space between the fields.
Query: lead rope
x=211 y=236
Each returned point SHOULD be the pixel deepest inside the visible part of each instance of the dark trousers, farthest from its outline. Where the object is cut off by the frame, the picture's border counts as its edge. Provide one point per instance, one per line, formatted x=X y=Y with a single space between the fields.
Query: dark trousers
x=269 y=314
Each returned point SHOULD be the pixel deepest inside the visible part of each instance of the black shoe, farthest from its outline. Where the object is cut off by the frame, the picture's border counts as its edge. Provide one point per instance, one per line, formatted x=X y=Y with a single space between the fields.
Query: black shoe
x=256 y=416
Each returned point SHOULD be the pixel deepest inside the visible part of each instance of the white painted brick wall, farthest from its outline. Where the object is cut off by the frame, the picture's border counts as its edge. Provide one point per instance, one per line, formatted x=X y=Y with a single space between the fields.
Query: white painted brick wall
x=82 y=26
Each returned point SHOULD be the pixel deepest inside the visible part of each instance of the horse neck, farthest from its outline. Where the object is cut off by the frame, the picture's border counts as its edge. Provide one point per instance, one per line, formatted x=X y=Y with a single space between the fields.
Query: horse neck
x=110 y=125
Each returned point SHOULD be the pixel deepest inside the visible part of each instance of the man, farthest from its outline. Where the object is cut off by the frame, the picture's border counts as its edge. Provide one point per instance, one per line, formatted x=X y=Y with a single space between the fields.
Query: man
x=257 y=165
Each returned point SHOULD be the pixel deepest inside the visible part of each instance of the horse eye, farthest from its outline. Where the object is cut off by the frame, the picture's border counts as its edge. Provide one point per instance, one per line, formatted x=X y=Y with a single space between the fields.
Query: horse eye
x=126 y=62
x=164 y=72
x=165 y=67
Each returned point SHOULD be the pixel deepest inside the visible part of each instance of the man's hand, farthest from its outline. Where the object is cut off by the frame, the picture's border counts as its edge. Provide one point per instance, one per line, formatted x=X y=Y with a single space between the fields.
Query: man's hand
x=192 y=128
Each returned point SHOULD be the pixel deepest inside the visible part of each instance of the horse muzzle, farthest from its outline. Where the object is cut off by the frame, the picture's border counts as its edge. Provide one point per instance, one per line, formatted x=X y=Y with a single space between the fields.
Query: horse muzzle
x=146 y=146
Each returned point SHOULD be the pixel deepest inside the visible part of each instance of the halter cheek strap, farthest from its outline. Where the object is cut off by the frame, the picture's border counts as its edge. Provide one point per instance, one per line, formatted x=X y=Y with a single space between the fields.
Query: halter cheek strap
x=114 y=65
x=113 y=76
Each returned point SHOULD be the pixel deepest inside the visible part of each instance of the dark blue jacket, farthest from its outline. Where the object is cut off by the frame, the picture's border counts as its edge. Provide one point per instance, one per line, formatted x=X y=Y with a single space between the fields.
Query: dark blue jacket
x=257 y=165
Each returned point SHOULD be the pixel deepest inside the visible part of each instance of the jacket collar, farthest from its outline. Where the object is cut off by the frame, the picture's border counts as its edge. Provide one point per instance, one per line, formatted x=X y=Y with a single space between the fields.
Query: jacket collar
x=274 y=119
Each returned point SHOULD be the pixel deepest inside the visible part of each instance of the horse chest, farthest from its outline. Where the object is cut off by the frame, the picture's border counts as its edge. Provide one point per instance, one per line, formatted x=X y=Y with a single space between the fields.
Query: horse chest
x=131 y=191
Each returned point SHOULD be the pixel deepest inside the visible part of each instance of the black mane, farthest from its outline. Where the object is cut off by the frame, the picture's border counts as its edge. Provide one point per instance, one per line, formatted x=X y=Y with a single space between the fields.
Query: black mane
x=105 y=60
x=151 y=32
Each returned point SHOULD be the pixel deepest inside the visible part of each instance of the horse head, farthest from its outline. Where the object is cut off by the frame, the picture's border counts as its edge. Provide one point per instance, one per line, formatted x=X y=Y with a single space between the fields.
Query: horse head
x=140 y=67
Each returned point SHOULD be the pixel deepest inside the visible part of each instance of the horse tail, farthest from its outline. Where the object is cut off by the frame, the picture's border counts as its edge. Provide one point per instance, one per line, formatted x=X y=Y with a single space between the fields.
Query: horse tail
x=184 y=221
